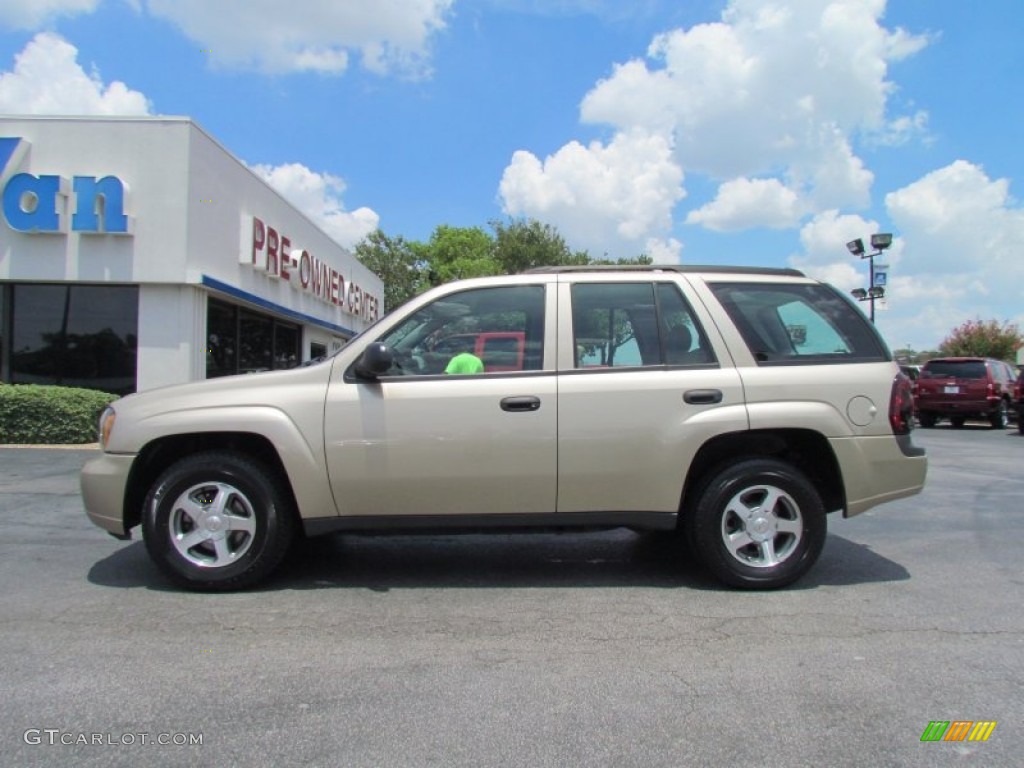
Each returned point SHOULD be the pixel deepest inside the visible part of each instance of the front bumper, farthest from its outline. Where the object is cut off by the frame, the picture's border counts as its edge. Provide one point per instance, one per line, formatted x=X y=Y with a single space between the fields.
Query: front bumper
x=103 y=482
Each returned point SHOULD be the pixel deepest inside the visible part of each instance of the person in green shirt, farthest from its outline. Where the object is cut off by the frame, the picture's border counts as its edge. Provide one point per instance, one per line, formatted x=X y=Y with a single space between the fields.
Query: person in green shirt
x=465 y=362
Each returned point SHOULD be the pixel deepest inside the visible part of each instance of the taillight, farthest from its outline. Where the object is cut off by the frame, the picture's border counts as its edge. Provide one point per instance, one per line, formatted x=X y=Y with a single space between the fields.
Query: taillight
x=901 y=405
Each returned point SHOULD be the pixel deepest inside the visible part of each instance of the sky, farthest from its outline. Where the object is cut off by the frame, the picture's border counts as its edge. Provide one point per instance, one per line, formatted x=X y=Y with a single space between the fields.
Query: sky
x=750 y=132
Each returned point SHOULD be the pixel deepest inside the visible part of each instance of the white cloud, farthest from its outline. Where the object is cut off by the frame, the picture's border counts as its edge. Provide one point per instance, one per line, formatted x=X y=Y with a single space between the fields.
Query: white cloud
x=608 y=199
x=770 y=89
x=664 y=250
x=825 y=255
x=47 y=79
x=770 y=101
x=962 y=233
x=957 y=216
x=956 y=256
x=902 y=129
x=390 y=36
x=745 y=203
x=825 y=236
x=32 y=14
x=319 y=197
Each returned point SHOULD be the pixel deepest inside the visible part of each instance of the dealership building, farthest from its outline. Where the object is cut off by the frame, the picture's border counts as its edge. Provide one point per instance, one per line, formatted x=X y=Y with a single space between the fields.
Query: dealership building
x=138 y=252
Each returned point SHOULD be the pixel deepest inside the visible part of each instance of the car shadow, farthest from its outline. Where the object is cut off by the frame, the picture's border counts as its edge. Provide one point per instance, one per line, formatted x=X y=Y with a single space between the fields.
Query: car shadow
x=619 y=558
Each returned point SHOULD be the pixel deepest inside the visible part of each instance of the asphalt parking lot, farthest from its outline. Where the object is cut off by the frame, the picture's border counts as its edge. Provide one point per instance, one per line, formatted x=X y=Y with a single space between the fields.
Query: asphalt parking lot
x=522 y=650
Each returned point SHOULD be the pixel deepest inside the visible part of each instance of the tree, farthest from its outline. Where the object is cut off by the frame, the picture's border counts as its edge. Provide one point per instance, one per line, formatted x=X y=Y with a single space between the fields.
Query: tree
x=394 y=261
x=523 y=244
x=976 y=338
x=642 y=259
x=456 y=253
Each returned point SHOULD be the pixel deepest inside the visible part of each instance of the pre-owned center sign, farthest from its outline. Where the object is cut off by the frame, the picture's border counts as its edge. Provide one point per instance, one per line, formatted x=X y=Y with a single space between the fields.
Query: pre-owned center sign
x=270 y=251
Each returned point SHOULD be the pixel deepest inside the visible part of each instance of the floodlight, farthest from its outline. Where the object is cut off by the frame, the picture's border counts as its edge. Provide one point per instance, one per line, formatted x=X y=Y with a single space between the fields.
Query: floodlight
x=856 y=247
x=859 y=293
x=876 y=292
x=881 y=241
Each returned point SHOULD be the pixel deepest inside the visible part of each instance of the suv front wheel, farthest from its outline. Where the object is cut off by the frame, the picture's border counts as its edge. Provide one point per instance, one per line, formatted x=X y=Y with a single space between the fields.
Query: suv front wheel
x=758 y=524
x=217 y=521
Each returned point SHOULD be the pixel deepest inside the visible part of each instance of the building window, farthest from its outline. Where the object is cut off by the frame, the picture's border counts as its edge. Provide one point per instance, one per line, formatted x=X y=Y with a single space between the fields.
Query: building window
x=221 y=339
x=74 y=335
x=287 y=353
x=243 y=341
x=255 y=342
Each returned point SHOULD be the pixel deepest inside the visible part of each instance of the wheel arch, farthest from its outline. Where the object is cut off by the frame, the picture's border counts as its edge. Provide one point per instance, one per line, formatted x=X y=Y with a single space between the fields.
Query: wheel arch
x=161 y=453
x=806 y=450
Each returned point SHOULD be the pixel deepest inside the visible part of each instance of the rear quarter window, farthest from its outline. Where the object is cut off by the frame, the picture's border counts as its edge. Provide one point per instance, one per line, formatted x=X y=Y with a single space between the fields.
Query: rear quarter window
x=800 y=324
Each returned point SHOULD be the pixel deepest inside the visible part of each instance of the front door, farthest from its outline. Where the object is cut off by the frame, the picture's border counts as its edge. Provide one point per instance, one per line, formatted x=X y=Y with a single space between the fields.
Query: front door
x=419 y=441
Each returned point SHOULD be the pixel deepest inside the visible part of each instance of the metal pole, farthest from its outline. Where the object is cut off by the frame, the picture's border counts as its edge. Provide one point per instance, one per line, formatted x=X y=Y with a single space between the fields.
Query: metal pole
x=871 y=284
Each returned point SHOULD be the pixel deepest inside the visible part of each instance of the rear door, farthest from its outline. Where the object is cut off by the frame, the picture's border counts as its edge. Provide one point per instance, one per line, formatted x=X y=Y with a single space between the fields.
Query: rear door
x=644 y=381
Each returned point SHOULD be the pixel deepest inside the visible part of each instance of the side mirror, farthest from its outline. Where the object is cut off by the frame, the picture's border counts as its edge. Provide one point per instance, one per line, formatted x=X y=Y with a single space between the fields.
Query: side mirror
x=375 y=360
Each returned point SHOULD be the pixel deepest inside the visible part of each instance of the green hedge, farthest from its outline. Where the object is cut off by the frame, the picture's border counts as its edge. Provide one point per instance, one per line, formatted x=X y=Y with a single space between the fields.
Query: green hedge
x=37 y=414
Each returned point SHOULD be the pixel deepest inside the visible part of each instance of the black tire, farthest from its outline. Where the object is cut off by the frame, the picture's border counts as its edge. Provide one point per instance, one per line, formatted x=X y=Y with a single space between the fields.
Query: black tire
x=246 y=529
x=1000 y=419
x=957 y=421
x=927 y=419
x=743 y=487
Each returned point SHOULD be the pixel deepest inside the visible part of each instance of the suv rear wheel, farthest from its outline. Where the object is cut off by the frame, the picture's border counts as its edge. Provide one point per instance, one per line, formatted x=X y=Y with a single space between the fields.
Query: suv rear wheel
x=217 y=521
x=758 y=524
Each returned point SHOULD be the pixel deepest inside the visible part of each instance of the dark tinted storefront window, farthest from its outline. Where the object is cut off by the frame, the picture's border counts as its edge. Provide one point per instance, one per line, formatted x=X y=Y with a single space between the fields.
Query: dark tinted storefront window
x=242 y=341
x=286 y=346
x=255 y=343
x=74 y=335
x=221 y=339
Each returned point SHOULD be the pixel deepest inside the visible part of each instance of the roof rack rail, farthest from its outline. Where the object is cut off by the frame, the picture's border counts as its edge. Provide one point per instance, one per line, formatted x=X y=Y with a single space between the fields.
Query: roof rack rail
x=729 y=270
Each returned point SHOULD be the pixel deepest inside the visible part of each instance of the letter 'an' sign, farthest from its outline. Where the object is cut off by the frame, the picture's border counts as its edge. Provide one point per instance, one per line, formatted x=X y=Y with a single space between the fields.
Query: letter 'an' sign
x=50 y=203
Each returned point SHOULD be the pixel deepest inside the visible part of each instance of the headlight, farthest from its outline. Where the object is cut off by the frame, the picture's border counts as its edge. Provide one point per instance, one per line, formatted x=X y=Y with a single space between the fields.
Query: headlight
x=106 y=426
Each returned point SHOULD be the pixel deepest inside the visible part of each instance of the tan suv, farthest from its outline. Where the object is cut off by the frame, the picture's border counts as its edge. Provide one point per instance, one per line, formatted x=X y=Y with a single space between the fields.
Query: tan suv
x=736 y=405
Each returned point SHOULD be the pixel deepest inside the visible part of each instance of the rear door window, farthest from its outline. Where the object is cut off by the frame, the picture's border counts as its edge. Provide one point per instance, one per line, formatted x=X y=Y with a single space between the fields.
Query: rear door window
x=800 y=323
x=632 y=325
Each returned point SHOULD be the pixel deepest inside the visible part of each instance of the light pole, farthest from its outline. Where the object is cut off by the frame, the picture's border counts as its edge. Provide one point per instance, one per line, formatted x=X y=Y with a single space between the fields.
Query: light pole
x=879 y=242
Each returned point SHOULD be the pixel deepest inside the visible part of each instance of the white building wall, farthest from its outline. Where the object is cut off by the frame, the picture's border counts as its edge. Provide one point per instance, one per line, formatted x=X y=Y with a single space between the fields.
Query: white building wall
x=223 y=196
x=172 y=332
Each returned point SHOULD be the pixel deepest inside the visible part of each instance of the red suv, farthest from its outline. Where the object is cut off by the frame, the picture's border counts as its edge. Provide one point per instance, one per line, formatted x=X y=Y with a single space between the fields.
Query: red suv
x=962 y=388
